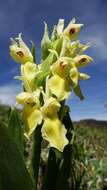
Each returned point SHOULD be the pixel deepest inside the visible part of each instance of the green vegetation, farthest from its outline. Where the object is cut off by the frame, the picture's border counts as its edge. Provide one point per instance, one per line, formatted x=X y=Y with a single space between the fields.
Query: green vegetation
x=90 y=154
x=4 y=113
x=91 y=137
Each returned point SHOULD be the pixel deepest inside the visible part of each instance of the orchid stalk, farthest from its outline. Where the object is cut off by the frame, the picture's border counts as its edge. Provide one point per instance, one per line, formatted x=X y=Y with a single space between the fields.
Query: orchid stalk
x=46 y=87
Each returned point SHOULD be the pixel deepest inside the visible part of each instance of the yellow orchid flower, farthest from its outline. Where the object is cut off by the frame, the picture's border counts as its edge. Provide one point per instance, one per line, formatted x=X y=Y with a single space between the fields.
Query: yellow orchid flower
x=59 y=86
x=19 y=51
x=72 y=30
x=28 y=73
x=54 y=132
x=61 y=67
x=82 y=60
x=29 y=98
x=50 y=107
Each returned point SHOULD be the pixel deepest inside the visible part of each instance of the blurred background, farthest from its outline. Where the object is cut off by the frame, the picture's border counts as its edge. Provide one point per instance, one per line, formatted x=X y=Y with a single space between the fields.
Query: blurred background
x=27 y=16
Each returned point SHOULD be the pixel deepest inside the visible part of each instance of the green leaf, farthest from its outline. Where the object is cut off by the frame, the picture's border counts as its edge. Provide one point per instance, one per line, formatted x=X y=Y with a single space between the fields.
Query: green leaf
x=78 y=92
x=45 y=66
x=13 y=172
x=33 y=50
x=65 y=165
x=45 y=69
x=64 y=171
x=15 y=128
x=36 y=150
x=54 y=34
x=69 y=125
x=51 y=171
x=45 y=43
x=57 y=45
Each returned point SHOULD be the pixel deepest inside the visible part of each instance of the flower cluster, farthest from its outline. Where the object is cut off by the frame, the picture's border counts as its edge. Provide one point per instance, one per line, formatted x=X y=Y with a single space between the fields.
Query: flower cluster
x=49 y=83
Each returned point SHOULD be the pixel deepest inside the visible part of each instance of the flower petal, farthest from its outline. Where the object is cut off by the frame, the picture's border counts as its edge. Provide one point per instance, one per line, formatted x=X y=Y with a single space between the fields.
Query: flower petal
x=59 y=87
x=50 y=108
x=61 y=67
x=32 y=117
x=74 y=76
x=28 y=72
x=55 y=133
x=29 y=98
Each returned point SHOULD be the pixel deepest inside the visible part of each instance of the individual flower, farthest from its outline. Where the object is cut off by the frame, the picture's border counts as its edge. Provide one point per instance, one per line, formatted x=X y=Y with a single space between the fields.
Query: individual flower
x=50 y=107
x=31 y=113
x=29 y=98
x=61 y=67
x=53 y=130
x=19 y=51
x=72 y=30
x=59 y=87
x=82 y=60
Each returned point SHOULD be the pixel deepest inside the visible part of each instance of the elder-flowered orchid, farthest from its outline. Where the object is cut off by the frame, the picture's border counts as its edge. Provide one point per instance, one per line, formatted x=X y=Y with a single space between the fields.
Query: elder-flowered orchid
x=49 y=83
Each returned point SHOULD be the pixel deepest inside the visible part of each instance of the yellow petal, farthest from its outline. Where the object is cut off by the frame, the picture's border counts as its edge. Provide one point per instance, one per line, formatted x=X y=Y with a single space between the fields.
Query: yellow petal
x=19 y=51
x=55 y=133
x=32 y=117
x=50 y=108
x=29 y=98
x=24 y=98
x=59 y=87
x=28 y=72
x=74 y=74
x=61 y=67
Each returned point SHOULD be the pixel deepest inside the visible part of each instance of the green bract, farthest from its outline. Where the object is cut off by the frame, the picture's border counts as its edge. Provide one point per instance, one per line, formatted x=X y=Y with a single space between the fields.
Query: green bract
x=51 y=81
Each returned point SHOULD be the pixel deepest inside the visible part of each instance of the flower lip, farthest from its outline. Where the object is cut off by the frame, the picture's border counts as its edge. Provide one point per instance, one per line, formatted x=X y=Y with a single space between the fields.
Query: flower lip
x=83 y=60
x=20 y=53
x=72 y=31
x=63 y=64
